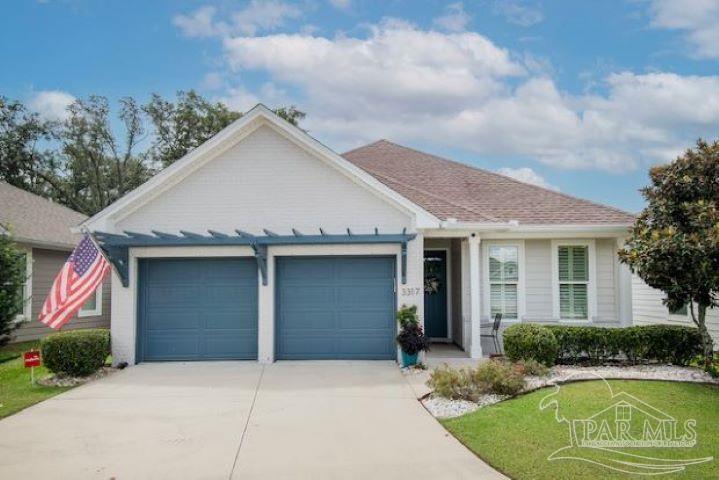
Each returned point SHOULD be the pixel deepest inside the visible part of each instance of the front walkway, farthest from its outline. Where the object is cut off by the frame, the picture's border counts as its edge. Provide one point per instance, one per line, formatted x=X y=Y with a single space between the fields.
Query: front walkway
x=236 y=420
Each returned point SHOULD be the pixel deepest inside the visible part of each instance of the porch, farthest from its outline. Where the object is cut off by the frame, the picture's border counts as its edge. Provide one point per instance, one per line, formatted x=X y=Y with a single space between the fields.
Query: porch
x=467 y=280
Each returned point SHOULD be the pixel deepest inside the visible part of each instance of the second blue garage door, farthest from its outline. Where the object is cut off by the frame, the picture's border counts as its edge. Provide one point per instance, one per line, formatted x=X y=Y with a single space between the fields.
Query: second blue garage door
x=335 y=308
x=197 y=309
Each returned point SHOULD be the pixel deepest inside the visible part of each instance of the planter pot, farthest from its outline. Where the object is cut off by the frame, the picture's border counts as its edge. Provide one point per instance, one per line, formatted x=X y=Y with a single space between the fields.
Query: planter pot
x=408 y=360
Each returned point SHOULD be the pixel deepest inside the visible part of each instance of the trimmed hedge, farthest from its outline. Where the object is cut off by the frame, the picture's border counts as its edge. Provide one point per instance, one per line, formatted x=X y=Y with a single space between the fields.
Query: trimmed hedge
x=529 y=341
x=647 y=343
x=77 y=353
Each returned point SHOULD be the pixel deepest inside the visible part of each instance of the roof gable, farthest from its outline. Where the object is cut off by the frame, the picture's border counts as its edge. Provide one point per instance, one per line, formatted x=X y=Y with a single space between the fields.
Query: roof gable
x=226 y=139
x=449 y=189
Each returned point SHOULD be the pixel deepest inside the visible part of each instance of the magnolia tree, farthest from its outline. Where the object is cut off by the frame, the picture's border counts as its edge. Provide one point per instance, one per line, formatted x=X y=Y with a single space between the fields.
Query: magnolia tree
x=674 y=244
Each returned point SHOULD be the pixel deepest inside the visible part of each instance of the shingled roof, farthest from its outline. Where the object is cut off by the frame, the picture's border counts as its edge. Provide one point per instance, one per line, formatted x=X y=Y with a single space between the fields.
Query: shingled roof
x=36 y=220
x=449 y=189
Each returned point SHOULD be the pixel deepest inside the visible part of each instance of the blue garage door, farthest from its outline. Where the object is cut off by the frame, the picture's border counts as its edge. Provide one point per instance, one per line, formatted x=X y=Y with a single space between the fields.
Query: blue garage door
x=197 y=309
x=335 y=308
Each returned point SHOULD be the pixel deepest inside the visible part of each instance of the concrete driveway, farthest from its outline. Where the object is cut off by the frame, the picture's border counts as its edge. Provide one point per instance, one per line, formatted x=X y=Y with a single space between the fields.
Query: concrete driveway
x=240 y=420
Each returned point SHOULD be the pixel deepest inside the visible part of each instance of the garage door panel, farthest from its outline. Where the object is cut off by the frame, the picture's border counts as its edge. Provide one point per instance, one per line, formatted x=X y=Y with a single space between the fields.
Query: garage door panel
x=369 y=268
x=305 y=269
x=307 y=320
x=169 y=296
x=231 y=344
x=335 y=308
x=354 y=295
x=369 y=320
x=303 y=295
x=161 y=319
x=174 y=345
x=198 y=309
x=365 y=346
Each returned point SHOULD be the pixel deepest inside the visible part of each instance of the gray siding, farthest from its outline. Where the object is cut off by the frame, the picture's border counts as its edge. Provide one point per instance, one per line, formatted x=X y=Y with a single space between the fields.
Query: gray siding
x=538 y=280
x=46 y=265
x=607 y=280
x=648 y=309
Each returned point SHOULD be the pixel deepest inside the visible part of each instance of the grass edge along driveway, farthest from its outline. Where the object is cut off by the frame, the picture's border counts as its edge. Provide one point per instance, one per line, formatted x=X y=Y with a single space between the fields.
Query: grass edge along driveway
x=516 y=438
x=16 y=392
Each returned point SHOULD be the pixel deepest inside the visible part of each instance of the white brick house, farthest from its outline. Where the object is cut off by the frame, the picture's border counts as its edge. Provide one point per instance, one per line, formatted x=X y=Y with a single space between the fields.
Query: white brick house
x=263 y=243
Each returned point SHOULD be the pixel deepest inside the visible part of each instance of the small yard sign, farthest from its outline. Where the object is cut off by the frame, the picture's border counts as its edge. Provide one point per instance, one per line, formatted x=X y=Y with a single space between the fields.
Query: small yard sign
x=32 y=360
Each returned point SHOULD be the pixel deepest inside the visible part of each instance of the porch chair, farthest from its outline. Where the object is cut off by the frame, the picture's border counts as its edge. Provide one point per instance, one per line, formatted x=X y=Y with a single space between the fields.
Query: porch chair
x=494 y=334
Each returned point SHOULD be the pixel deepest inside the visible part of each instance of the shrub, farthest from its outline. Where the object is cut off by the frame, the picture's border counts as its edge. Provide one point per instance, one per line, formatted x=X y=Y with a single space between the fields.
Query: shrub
x=529 y=341
x=455 y=384
x=660 y=343
x=532 y=367
x=407 y=316
x=499 y=377
x=412 y=339
x=469 y=383
x=76 y=353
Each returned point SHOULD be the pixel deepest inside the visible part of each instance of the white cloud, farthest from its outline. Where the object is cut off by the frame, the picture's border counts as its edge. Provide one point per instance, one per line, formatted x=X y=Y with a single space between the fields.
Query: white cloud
x=527 y=175
x=461 y=90
x=455 y=19
x=213 y=81
x=257 y=16
x=199 y=23
x=518 y=12
x=51 y=104
x=699 y=19
x=341 y=4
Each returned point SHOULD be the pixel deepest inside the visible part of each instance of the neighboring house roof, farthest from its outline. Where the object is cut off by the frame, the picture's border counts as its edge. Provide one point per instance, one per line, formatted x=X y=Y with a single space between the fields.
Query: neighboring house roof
x=32 y=219
x=450 y=189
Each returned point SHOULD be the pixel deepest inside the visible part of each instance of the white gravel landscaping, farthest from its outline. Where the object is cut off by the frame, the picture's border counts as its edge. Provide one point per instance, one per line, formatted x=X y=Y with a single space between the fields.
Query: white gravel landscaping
x=445 y=408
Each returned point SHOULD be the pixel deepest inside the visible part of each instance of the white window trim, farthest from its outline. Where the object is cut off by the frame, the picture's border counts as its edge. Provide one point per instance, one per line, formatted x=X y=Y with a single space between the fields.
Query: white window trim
x=591 y=245
x=97 y=311
x=521 y=299
x=26 y=314
x=676 y=317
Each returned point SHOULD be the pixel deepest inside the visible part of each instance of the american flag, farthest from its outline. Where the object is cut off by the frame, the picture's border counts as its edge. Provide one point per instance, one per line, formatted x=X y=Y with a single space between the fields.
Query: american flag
x=82 y=273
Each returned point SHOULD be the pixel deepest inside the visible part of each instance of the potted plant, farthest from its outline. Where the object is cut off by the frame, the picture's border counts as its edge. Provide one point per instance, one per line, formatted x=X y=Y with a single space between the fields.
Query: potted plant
x=411 y=338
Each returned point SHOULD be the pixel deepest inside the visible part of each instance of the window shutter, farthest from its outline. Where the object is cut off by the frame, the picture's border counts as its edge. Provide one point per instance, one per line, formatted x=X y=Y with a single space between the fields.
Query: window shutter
x=510 y=301
x=564 y=260
x=579 y=301
x=580 y=264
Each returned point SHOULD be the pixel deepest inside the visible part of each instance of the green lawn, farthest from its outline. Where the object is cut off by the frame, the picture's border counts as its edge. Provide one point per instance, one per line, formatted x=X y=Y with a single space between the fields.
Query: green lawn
x=16 y=392
x=516 y=437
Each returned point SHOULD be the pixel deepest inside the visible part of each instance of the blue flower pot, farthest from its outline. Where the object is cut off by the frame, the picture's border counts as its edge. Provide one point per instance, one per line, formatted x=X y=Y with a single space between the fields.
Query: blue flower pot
x=408 y=360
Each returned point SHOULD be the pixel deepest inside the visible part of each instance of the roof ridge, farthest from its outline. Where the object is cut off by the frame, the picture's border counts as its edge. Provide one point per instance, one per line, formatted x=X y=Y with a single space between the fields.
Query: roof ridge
x=365 y=146
x=425 y=192
x=489 y=172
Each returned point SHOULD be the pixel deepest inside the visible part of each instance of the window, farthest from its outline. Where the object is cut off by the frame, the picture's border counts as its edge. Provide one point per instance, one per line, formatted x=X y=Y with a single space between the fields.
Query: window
x=681 y=311
x=93 y=305
x=573 y=273
x=503 y=280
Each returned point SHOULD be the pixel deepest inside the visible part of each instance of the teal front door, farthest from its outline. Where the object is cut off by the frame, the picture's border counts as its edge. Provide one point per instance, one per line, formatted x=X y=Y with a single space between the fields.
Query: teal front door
x=435 y=293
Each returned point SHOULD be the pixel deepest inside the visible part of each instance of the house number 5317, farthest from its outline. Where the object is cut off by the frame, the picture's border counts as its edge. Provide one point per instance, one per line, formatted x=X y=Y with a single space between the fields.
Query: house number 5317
x=411 y=291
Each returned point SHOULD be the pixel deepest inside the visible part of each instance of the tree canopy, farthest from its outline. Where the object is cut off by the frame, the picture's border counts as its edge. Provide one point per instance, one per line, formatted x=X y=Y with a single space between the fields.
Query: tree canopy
x=90 y=159
x=674 y=245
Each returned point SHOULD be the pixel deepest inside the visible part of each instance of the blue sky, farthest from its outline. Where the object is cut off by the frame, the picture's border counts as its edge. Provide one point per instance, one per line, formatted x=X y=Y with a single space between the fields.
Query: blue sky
x=580 y=96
